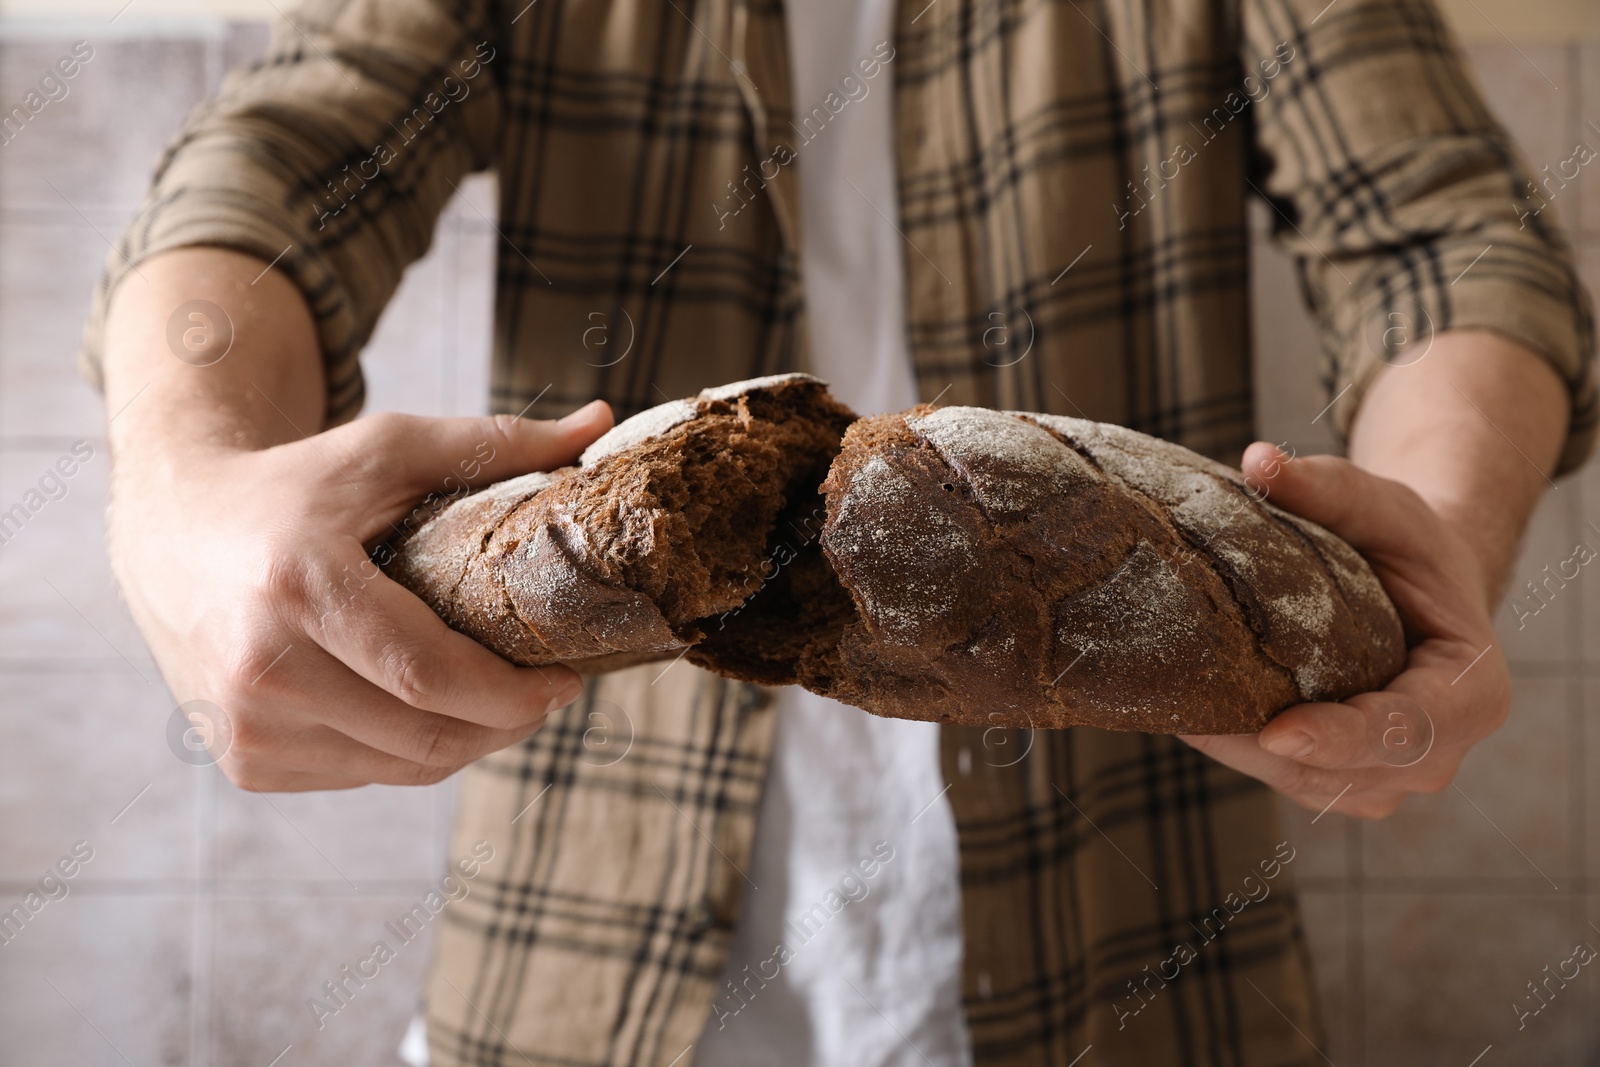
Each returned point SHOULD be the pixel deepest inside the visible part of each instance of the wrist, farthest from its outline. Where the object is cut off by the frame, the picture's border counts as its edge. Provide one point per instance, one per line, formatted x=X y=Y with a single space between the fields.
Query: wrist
x=1489 y=548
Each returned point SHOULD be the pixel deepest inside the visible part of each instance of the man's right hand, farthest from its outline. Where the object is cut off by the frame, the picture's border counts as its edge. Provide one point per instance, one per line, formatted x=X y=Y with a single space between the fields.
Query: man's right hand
x=240 y=546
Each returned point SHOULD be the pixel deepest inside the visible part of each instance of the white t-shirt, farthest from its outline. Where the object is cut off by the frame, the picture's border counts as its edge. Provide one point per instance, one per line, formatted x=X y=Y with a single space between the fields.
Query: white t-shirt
x=855 y=850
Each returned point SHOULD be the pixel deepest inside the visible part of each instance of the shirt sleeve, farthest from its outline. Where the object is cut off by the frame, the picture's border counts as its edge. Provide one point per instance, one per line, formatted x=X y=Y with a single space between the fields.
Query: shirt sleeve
x=1404 y=201
x=332 y=158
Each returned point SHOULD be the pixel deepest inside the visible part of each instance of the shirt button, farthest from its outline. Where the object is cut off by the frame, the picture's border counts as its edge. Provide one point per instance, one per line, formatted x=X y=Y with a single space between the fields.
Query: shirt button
x=701 y=916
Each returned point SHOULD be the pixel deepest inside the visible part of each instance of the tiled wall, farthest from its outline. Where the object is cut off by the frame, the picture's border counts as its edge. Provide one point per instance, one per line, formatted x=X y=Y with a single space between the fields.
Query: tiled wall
x=1427 y=926
x=208 y=916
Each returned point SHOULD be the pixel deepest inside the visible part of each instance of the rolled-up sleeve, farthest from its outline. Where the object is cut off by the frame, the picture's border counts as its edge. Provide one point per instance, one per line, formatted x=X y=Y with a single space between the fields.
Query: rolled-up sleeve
x=1405 y=202
x=332 y=158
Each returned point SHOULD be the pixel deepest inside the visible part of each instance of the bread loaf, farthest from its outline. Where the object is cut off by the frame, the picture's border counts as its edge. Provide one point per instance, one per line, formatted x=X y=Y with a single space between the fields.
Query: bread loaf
x=950 y=564
x=660 y=530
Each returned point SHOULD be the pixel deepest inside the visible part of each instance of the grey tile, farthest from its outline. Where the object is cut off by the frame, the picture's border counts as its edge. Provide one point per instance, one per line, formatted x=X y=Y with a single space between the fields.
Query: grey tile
x=349 y=837
x=57 y=600
x=1588 y=1037
x=1536 y=622
x=122 y=962
x=1588 y=211
x=1440 y=976
x=1590 y=704
x=84 y=757
x=1288 y=355
x=274 y=955
x=47 y=276
x=1323 y=916
x=1319 y=841
x=99 y=144
x=1536 y=112
x=1586 y=480
x=1508 y=814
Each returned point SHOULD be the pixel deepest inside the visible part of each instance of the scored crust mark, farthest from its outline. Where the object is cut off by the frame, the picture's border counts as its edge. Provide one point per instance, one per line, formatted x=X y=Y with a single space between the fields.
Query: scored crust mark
x=1012 y=474
x=1197 y=545
x=526 y=488
x=1256 y=614
x=1058 y=542
x=1156 y=614
x=435 y=558
x=1383 y=652
x=1333 y=643
x=1194 y=544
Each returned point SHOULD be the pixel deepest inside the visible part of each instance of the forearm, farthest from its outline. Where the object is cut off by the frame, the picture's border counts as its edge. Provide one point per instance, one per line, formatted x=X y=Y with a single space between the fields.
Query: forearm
x=266 y=390
x=1475 y=428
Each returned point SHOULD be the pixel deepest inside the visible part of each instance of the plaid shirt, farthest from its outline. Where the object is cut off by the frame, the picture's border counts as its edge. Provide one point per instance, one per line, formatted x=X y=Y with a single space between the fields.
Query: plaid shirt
x=1072 y=188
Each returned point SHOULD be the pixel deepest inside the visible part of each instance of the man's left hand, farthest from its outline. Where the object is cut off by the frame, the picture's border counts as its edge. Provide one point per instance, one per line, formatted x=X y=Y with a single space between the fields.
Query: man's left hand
x=1362 y=756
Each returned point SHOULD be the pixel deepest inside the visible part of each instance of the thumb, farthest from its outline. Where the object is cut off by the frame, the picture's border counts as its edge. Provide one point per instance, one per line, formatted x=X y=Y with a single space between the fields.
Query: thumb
x=401 y=459
x=1375 y=515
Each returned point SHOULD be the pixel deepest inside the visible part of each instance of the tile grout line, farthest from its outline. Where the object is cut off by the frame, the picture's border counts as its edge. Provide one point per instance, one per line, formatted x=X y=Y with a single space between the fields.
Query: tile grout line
x=1355 y=956
x=1577 y=757
x=1572 y=660
x=1578 y=845
x=206 y=910
x=204 y=965
x=1574 y=103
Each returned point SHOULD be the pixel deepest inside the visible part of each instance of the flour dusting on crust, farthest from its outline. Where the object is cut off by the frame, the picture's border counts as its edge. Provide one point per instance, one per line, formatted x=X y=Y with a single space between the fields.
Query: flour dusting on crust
x=1011 y=465
x=902 y=592
x=514 y=490
x=735 y=389
x=652 y=422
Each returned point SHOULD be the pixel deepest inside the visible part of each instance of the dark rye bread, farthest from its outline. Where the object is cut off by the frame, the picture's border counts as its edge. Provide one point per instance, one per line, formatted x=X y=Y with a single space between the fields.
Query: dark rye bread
x=628 y=556
x=955 y=565
x=1019 y=569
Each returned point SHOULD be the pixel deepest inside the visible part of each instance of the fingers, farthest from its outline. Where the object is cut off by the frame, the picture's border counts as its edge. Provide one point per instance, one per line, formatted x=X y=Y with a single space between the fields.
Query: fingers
x=1323 y=735
x=322 y=750
x=386 y=635
x=397 y=460
x=367 y=715
x=1244 y=753
x=306 y=757
x=295 y=782
x=1375 y=515
x=1363 y=794
x=1386 y=729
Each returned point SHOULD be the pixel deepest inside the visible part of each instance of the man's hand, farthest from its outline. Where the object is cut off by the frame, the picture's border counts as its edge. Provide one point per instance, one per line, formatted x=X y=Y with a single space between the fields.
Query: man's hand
x=1448 y=455
x=240 y=543
x=1373 y=749
x=247 y=574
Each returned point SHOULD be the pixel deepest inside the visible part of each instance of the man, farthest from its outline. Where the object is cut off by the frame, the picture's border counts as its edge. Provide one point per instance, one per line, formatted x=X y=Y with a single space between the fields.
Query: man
x=1021 y=206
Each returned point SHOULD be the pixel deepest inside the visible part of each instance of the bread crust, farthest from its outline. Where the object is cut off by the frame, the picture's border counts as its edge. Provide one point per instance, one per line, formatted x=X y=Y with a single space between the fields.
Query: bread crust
x=974 y=566
x=1014 y=569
